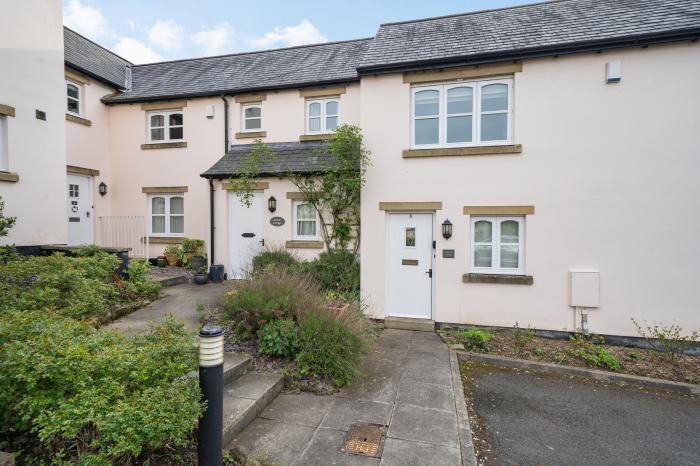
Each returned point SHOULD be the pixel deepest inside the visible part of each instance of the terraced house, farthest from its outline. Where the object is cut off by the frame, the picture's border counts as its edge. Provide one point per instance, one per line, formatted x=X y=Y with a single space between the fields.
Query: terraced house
x=534 y=164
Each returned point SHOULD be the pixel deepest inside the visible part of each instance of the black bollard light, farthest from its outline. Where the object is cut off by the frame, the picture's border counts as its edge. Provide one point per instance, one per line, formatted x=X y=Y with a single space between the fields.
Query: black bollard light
x=211 y=382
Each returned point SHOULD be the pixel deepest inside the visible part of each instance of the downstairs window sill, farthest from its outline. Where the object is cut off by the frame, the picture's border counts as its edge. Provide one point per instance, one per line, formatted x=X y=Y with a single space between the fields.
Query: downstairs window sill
x=497 y=278
x=463 y=151
x=163 y=145
x=165 y=239
x=9 y=177
x=299 y=244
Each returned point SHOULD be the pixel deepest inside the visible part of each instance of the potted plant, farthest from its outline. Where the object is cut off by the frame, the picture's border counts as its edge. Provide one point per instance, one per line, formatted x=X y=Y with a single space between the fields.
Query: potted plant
x=192 y=247
x=172 y=254
x=201 y=277
x=161 y=261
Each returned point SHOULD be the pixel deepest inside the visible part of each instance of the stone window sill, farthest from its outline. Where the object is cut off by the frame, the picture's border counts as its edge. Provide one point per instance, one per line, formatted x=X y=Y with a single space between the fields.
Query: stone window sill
x=163 y=145
x=165 y=239
x=79 y=120
x=497 y=278
x=251 y=134
x=297 y=244
x=463 y=151
x=314 y=137
x=10 y=177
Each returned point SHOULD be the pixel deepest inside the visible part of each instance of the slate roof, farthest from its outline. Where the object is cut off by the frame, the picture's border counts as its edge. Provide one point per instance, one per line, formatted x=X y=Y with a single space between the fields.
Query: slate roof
x=327 y=63
x=94 y=60
x=295 y=157
x=511 y=32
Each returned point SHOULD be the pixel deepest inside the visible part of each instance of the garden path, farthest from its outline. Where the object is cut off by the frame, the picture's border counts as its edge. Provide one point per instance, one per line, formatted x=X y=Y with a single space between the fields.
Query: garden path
x=180 y=301
x=409 y=384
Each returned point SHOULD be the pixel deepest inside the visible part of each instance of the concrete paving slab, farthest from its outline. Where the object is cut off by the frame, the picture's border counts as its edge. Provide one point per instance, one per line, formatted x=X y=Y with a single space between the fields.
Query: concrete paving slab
x=418 y=371
x=304 y=409
x=393 y=338
x=424 y=425
x=346 y=412
x=426 y=395
x=378 y=381
x=404 y=453
x=324 y=449
x=276 y=442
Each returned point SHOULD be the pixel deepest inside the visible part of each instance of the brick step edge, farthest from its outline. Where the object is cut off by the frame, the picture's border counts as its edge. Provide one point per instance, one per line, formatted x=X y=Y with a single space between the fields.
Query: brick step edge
x=604 y=376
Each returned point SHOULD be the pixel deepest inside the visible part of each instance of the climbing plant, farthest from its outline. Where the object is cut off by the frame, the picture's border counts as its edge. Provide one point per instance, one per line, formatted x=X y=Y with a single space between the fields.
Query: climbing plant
x=243 y=183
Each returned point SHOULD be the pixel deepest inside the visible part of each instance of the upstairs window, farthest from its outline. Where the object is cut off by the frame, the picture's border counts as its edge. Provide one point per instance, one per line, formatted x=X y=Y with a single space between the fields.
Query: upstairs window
x=305 y=221
x=4 y=164
x=165 y=126
x=252 y=117
x=497 y=245
x=167 y=213
x=477 y=113
x=74 y=97
x=322 y=115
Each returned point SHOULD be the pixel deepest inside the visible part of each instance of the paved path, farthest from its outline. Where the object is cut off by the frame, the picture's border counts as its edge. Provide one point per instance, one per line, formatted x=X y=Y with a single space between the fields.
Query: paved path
x=407 y=385
x=535 y=420
x=181 y=301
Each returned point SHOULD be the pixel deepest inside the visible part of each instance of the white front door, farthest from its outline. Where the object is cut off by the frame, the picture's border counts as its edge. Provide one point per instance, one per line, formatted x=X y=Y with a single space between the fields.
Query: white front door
x=79 y=210
x=245 y=233
x=410 y=265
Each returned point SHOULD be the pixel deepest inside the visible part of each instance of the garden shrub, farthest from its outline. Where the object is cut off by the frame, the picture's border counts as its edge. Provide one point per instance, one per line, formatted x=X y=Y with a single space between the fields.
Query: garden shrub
x=477 y=340
x=335 y=270
x=78 y=287
x=330 y=346
x=667 y=340
x=522 y=336
x=591 y=354
x=95 y=396
x=279 y=338
x=274 y=259
x=274 y=294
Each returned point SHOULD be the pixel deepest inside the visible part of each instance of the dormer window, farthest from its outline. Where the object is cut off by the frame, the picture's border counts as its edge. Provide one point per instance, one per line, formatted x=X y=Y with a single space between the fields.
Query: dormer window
x=74 y=97
x=165 y=126
x=322 y=115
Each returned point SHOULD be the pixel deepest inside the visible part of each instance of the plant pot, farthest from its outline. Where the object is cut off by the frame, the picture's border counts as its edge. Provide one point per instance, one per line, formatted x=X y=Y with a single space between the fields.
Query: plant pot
x=162 y=262
x=216 y=273
x=197 y=262
x=172 y=260
x=201 y=278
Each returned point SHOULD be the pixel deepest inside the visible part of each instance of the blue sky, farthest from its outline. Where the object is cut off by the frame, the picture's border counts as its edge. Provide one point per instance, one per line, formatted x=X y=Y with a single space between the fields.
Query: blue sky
x=145 y=31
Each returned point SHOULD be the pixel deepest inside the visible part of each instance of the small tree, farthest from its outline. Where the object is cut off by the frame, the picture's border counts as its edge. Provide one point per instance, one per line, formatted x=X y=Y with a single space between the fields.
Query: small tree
x=335 y=191
x=5 y=222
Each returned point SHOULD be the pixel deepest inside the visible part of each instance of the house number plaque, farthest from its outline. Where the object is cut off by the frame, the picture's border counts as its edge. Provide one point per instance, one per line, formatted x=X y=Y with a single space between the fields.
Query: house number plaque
x=276 y=221
x=448 y=253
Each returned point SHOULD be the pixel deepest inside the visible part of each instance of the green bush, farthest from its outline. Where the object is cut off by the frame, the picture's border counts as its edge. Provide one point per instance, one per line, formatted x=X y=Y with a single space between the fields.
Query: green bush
x=273 y=294
x=522 y=336
x=592 y=354
x=274 y=259
x=95 y=396
x=78 y=287
x=193 y=246
x=279 y=338
x=477 y=340
x=335 y=270
x=329 y=347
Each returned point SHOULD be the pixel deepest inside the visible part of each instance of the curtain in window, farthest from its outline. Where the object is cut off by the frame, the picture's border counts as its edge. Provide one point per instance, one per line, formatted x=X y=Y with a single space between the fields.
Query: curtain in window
x=158 y=215
x=306 y=220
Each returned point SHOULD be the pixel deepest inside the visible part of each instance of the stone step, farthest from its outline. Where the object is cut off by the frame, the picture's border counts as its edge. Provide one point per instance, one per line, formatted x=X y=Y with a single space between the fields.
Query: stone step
x=170 y=281
x=407 y=323
x=235 y=365
x=245 y=398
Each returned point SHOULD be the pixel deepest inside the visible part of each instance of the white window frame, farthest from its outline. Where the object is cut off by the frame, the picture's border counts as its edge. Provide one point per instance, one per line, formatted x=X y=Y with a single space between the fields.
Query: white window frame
x=244 y=119
x=4 y=145
x=295 y=234
x=496 y=245
x=79 y=99
x=167 y=214
x=166 y=126
x=322 y=102
x=476 y=86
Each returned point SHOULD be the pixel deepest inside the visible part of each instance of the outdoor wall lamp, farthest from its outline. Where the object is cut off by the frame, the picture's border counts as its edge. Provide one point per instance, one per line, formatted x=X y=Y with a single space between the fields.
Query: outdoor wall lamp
x=272 y=204
x=446 y=229
x=102 y=188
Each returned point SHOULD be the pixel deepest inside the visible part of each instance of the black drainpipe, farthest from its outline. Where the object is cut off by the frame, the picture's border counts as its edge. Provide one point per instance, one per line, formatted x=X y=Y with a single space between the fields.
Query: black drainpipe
x=223 y=97
x=211 y=182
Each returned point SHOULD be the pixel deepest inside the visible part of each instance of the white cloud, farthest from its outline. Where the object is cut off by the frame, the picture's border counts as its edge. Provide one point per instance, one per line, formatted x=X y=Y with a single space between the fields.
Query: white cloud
x=86 y=20
x=135 y=51
x=166 y=35
x=287 y=36
x=216 y=40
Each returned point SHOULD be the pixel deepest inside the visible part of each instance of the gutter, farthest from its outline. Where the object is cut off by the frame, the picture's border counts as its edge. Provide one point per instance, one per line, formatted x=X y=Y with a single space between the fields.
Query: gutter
x=691 y=35
x=72 y=66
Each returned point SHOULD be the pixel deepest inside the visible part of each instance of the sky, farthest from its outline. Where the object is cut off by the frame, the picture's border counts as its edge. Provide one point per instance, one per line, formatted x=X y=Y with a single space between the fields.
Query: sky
x=144 y=31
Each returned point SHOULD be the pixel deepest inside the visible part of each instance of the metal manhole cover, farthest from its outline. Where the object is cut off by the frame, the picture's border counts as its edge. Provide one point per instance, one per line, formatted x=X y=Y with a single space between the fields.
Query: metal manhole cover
x=365 y=439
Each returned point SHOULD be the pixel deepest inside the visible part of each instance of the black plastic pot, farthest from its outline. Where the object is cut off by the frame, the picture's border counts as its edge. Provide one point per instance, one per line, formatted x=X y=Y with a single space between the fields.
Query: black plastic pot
x=162 y=262
x=201 y=278
x=216 y=273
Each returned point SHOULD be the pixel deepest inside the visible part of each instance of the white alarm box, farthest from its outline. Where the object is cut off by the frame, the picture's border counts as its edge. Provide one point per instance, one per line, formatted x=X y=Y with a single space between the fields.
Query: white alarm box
x=585 y=288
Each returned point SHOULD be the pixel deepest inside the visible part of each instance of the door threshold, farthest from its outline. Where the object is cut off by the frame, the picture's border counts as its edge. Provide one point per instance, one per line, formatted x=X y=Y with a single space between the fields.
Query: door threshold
x=410 y=323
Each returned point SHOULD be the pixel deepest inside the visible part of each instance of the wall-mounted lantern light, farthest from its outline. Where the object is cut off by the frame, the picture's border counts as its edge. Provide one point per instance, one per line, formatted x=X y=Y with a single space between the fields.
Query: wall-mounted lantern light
x=103 y=188
x=446 y=229
x=272 y=204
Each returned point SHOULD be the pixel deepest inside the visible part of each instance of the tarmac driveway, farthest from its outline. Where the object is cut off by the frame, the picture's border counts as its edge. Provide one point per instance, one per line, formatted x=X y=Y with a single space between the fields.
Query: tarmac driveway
x=532 y=419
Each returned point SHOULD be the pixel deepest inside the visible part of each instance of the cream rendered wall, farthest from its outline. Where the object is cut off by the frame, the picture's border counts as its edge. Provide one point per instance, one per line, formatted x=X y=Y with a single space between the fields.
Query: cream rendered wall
x=610 y=168
x=32 y=42
x=90 y=146
x=133 y=168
